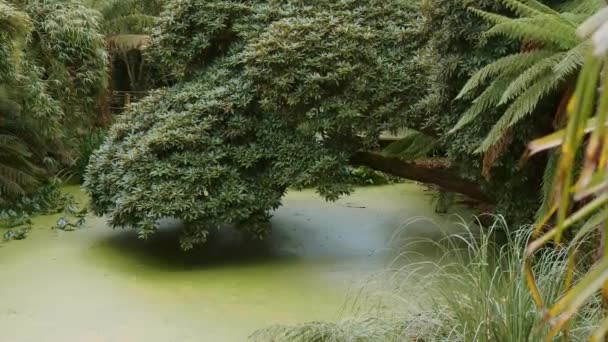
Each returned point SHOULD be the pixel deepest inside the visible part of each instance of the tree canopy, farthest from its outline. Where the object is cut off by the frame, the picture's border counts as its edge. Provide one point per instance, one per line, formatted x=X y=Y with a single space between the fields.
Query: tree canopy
x=269 y=95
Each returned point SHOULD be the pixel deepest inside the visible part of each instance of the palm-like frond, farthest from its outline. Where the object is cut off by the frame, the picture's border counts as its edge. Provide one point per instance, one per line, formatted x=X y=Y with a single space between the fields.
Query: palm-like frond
x=571 y=62
x=530 y=76
x=533 y=75
x=489 y=98
x=528 y=8
x=411 y=144
x=544 y=29
x=509 y=63
x=585 y=8
x=525 y=104
x=17 y=173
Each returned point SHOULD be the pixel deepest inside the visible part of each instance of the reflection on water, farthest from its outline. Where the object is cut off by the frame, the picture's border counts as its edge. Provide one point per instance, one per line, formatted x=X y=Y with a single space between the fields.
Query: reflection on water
x=99 y=284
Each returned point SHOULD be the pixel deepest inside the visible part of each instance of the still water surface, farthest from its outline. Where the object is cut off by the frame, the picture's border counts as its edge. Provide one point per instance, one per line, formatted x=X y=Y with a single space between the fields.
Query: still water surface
x=99 y=284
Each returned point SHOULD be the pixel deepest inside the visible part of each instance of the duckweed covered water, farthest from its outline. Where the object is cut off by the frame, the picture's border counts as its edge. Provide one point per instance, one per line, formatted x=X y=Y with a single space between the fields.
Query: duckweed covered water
x=99 y=284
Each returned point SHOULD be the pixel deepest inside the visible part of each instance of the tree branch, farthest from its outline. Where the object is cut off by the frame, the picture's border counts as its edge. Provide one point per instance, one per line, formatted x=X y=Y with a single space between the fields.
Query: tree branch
x=421 y=173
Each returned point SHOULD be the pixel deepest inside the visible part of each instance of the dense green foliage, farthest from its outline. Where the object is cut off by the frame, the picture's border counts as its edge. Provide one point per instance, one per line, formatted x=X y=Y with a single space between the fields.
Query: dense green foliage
x=463 y=45
x=333 y=76
x=577 y=204
x=529 y=81
x=254 y=117
x=127 y=17
x=53 y=72
x=199 y=153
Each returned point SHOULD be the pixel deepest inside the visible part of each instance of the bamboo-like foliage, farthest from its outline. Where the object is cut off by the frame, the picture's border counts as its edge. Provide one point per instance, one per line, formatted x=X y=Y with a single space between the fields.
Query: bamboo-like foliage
x=128 y=17
x=16 y=172
x=52 y=68
x=579 y=200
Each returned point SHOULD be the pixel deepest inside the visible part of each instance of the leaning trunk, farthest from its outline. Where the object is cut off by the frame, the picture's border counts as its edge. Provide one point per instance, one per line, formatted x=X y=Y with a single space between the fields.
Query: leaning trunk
x=430 y=174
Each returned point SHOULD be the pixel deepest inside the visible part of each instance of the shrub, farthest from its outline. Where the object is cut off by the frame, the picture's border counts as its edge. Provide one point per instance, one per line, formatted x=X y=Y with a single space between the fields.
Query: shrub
x=476 y=292
x=200 y=152
x=223 y=145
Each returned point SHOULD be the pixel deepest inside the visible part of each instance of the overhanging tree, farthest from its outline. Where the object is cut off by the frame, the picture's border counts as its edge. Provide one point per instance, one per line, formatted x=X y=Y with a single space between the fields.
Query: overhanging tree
x=272 y=95
x=278 y=94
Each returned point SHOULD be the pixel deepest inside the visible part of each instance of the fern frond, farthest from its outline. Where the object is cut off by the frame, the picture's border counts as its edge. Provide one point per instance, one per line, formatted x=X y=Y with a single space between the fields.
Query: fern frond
x=516 y=61
x=585 y=8
x=15 y=181
x=529 y=76
x=571 y=62
x=17 y=175
x=540 y=7
x=533 y=8
x=490 y=17
x=13 y=147
x=522 y=106
x=411 y=145
x=544 y=30
x=489 y=98
x=575 y=18
x=526 y=8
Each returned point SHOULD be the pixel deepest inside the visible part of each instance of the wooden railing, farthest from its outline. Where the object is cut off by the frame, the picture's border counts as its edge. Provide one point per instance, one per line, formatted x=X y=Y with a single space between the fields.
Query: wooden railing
x=121 y=99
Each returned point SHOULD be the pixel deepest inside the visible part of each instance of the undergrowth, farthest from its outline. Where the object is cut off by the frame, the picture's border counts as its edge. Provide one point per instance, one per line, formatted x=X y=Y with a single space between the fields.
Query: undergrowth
x=474 y=291
x=16 y=214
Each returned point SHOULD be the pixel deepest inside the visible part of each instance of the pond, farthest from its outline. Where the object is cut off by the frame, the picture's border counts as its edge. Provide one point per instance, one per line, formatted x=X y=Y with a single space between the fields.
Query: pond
x=100 y=284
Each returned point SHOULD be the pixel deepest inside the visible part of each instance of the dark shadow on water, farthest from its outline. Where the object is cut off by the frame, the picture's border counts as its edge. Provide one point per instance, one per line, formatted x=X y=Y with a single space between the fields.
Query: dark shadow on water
x=225 y=248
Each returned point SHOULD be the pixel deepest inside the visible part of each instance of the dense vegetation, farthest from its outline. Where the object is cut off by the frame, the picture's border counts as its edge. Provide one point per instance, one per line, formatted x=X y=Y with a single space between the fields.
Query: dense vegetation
x=53 y=75
x=245 y=99
x=249 y=117
x=256 y=82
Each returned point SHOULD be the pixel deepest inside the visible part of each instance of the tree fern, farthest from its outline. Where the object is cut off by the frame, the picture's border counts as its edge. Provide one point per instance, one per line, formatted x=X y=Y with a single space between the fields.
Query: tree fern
x=489 y=98
x=528 y=8
x=412 y=145
x=508 y=63
x=544 y=29
x=529 y=76
x=556 y=57
x=571 y=62
x=522 y=106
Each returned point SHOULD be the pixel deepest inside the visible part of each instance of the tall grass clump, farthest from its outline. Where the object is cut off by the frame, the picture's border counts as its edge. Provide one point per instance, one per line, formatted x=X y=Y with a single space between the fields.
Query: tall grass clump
x=474 y=290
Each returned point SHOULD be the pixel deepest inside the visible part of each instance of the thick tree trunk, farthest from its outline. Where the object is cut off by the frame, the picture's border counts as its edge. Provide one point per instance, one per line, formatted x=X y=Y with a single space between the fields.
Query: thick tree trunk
x=421 y=173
